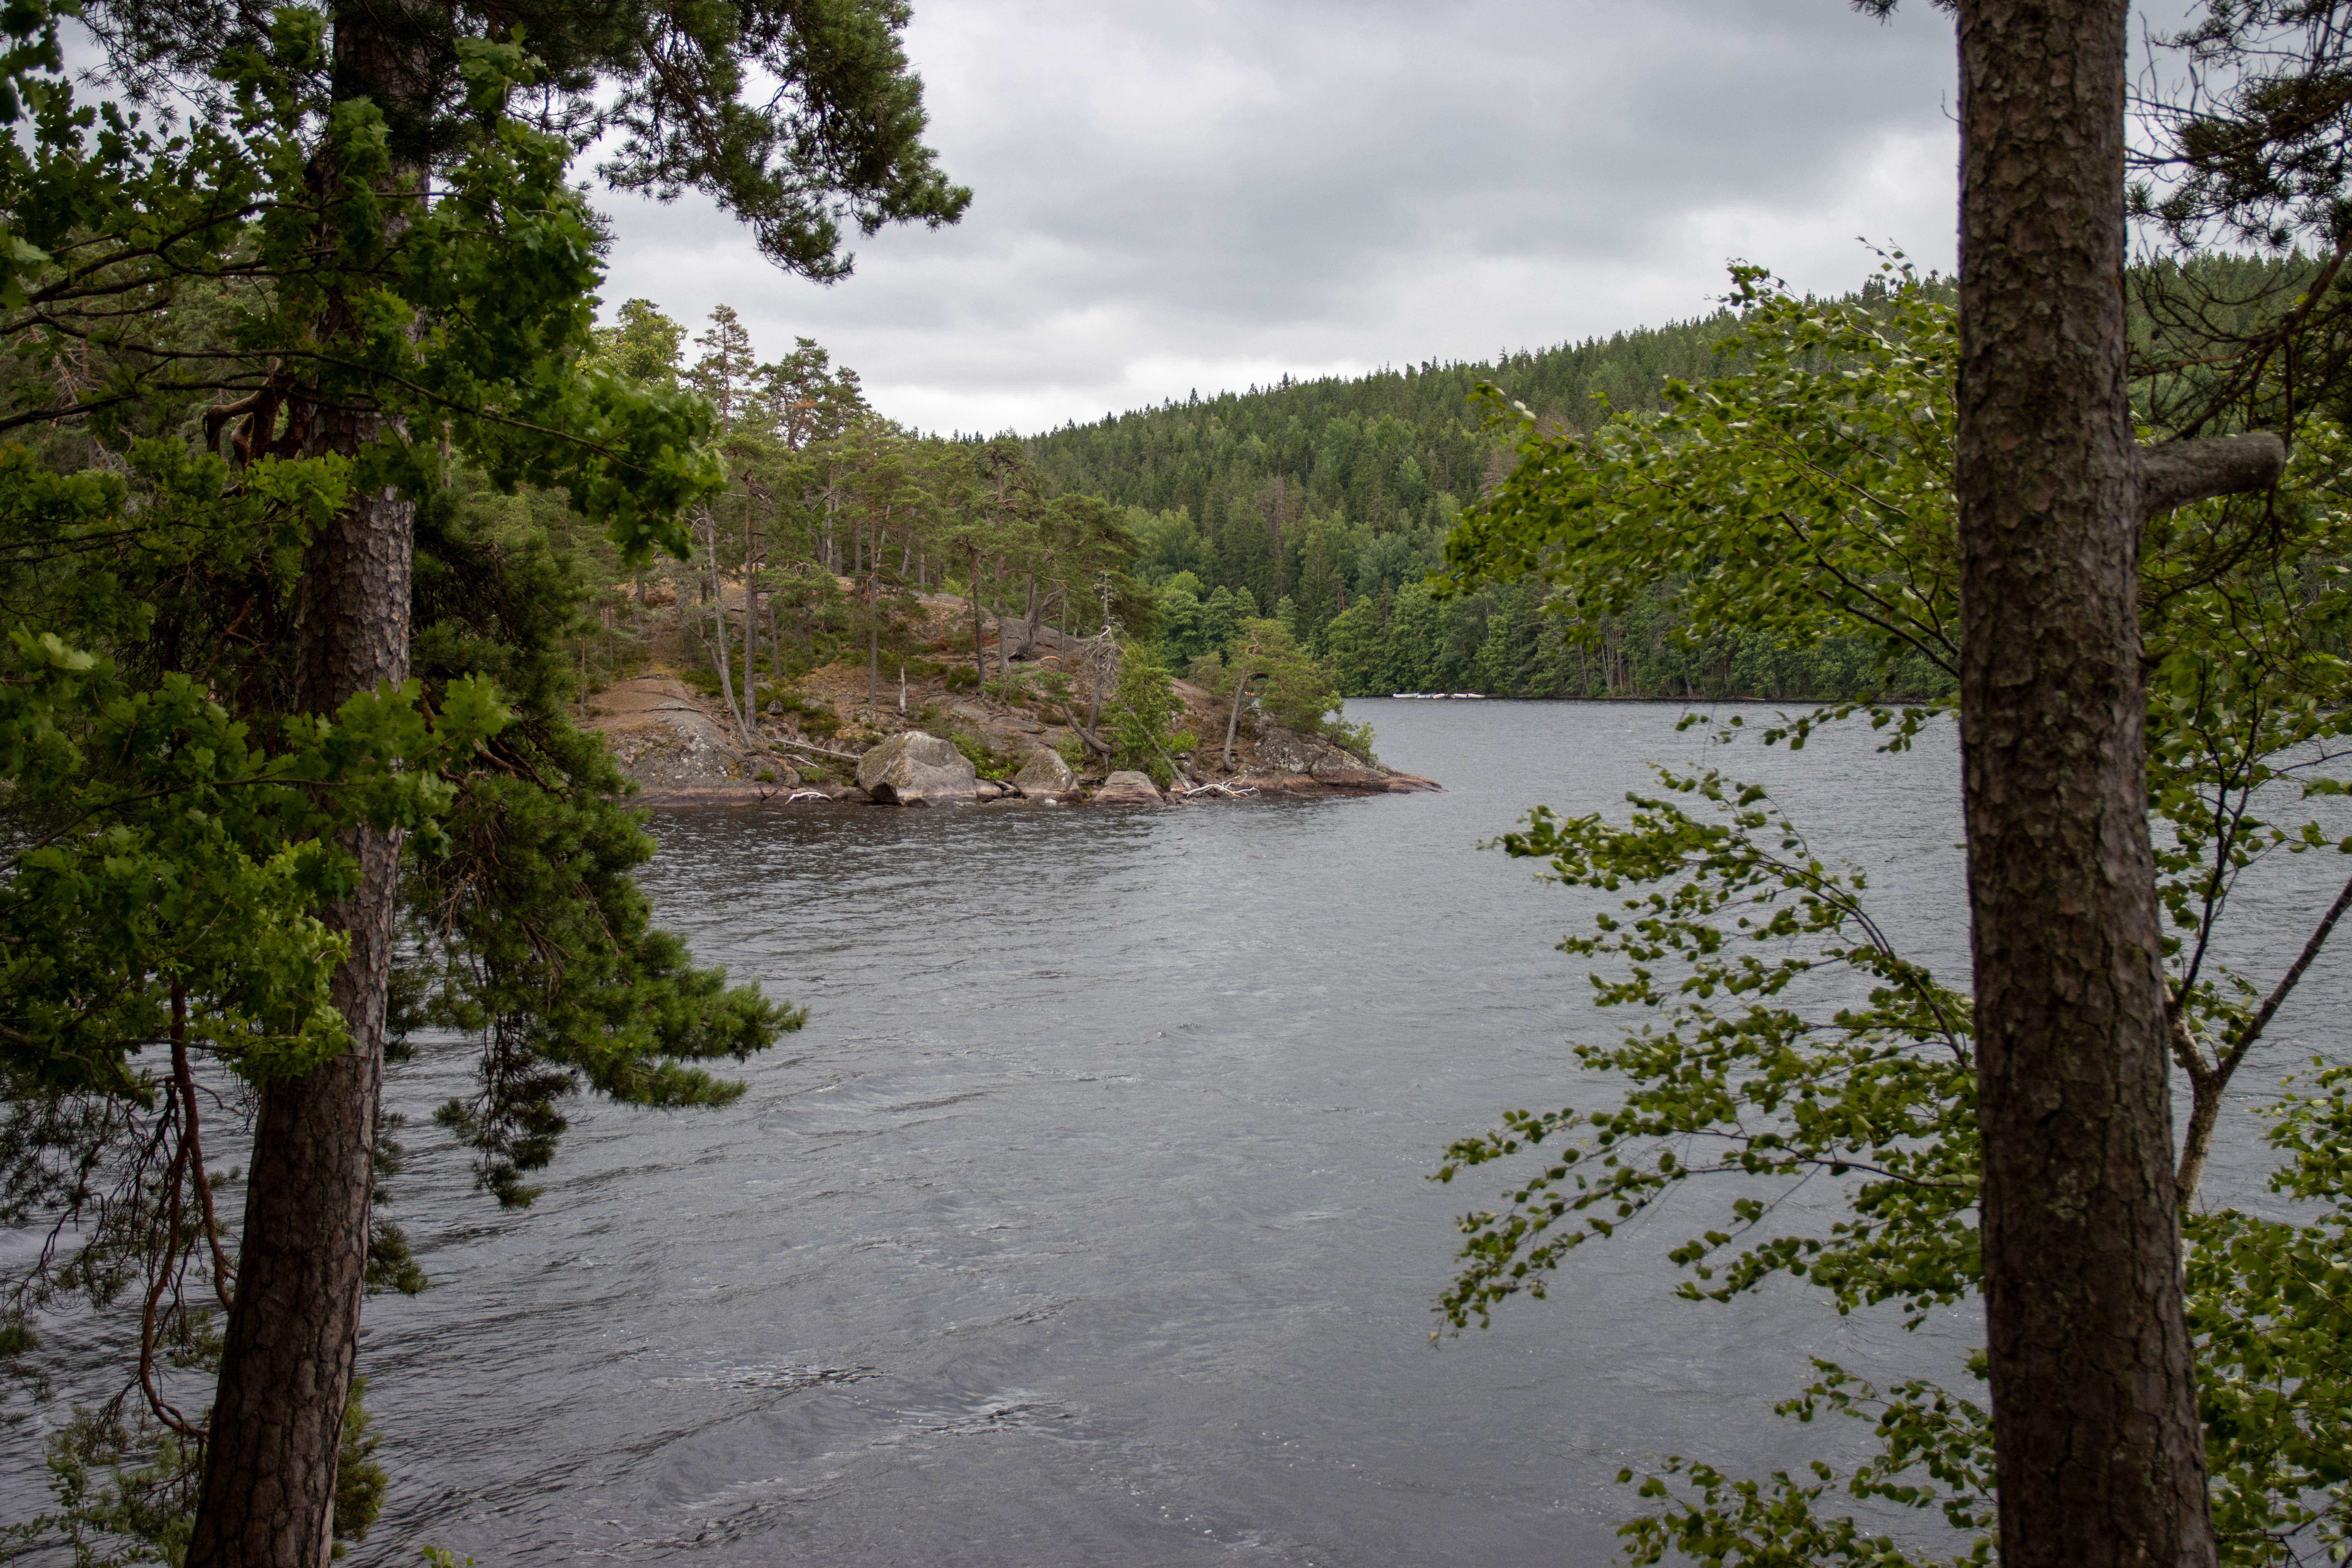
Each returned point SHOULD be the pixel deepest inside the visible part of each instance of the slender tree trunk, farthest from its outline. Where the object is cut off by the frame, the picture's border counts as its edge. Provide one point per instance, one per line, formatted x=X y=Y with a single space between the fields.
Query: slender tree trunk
x=1101 y=673
x=2209 y=1079
x=979 y=650
x=719 y=648
x=1233 y=719
x=2197 y=1138
x=873 y=620
x=751 y=624
x=1004 y=659
x=2099 y=1456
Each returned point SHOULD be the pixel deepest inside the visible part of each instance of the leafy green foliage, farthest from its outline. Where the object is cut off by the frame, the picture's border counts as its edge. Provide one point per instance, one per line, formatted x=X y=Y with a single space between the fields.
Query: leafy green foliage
x=1801 y=499
x=1935 y=1453
x=359 y=1481
x=1757 y=1054
x=797 y=117
x=530 y=934
x=2268 y=1305
x=1805 y=497
x=149 y=823
x=1293 y=689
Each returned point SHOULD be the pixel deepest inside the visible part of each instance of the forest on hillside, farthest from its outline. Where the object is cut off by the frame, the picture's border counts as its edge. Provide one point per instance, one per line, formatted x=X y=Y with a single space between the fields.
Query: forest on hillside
x=1326 y=504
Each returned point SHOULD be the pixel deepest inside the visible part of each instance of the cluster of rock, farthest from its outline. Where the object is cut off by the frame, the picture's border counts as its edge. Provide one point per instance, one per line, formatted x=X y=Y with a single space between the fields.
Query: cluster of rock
x=678 y=754
x=912 y=768
x=916 y=769
x=674 y=746
x=1308 y=764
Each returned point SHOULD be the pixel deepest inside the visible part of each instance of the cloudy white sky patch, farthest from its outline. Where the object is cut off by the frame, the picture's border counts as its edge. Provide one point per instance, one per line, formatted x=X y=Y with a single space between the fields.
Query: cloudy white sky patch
x=1171 y=195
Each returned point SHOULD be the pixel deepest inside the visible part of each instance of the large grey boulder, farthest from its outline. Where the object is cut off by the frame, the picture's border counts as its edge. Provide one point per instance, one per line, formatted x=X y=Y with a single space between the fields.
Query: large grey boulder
x=675 y=746
x=1318 y=758
x=916 y=769
x=1290 y=752
x=1045 y=774
x=1127 y=787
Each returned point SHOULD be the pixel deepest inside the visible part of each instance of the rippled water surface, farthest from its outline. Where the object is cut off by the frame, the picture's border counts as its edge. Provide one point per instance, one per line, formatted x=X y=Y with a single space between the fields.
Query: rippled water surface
x=1087 y=1221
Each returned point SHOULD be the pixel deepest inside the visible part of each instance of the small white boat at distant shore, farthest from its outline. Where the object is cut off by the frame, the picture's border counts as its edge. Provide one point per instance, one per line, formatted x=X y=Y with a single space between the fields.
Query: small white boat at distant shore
x=1439 y=696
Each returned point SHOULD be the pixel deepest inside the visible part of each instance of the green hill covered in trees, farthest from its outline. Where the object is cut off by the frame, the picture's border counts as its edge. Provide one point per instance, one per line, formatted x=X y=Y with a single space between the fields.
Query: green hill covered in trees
x=1327 y=502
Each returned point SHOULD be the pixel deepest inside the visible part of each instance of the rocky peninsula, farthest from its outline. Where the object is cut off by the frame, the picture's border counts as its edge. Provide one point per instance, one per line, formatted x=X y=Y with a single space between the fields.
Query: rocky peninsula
x=923 y=744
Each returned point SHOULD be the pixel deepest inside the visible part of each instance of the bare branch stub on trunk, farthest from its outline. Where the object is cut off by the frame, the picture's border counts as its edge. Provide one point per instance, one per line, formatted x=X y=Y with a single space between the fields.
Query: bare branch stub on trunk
x=2176 y=473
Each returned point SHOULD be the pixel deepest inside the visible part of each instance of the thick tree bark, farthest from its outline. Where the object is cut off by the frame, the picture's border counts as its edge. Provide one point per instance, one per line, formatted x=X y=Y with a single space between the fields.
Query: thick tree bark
x=269 y=1489
x=2099 y=1456
x=267 y=1494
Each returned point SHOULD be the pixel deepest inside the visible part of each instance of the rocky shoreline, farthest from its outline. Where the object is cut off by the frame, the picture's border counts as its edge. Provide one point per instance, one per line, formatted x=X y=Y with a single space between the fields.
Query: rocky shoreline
x=682 y=750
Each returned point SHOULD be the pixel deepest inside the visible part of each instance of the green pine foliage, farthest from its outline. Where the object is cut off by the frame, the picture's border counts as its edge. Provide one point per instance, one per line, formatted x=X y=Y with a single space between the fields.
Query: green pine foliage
x=1141 y=716
x=531 y=936
x=171 y=819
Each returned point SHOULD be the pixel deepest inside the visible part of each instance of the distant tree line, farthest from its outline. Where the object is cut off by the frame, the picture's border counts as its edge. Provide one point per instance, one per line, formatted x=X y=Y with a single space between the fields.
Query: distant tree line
x=1325 y=504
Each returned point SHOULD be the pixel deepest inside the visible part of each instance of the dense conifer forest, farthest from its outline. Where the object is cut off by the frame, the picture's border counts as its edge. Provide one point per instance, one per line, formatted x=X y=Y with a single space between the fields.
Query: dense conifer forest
x=1326 y=504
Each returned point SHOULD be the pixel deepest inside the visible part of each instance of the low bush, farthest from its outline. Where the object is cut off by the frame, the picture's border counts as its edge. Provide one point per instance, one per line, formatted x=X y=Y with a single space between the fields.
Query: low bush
x=986 y=761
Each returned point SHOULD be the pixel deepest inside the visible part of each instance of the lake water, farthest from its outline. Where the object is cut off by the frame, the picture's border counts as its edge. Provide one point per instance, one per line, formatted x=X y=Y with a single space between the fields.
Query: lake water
x=1087 y=1221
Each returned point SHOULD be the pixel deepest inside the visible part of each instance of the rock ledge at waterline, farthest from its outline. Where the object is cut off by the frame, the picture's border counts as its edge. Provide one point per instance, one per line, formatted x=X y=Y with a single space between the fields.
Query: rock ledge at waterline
x=681 y=750
x=903 y=739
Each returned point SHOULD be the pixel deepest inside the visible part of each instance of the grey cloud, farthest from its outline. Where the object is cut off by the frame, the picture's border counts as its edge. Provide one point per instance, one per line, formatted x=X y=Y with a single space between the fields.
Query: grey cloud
x=1180 y=194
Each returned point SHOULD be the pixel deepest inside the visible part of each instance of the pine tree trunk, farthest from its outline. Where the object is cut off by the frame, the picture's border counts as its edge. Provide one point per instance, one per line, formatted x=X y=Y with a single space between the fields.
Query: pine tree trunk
x=719 y=651
x=268 y=1489
x=979 y=649
x=2099 y=1456
x=750 y=625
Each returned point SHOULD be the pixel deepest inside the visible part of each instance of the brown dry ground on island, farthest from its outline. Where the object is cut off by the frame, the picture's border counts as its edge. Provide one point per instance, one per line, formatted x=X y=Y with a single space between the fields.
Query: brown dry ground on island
x=681 y=746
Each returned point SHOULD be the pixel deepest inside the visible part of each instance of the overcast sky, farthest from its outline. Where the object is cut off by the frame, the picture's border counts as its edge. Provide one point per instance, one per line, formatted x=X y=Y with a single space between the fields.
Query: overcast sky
x=1181 y=194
